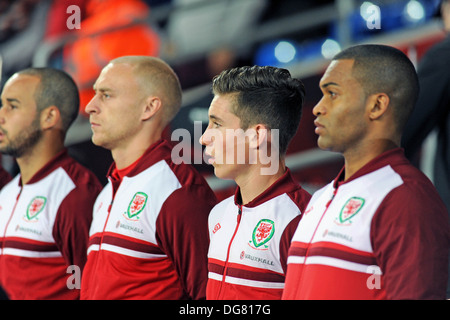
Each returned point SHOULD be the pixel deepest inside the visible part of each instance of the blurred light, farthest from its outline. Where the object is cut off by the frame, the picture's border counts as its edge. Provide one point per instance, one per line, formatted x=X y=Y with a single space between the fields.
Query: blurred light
x=277 y=53
x=285 y=52
x=414 y=11
x=330 y=48
x=199 y=114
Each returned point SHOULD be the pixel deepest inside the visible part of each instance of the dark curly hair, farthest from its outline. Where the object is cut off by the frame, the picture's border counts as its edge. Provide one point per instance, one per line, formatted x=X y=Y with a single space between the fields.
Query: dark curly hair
x=264 y=95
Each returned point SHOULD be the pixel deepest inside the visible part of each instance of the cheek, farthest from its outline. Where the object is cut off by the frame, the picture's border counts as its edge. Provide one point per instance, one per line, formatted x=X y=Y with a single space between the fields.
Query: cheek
x=234 y=141
x=18 y=125
x=225 y=147
x=351 y=124
x=214 y=139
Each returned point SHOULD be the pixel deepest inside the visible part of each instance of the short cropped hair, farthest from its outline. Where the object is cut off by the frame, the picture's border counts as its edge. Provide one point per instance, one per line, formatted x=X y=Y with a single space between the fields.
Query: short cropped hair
x=384 y=69
x=56 y=88
x=265 y=95
x=155 y=76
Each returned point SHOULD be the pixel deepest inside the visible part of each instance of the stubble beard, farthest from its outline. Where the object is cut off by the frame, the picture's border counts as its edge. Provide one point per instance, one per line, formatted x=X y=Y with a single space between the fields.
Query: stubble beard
x=24 y=142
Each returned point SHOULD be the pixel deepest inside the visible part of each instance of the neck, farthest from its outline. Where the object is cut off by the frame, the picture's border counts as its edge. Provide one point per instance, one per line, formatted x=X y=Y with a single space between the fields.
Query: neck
x=31 y=162
x=253 y=183
x=127 y=155
x=356 y=159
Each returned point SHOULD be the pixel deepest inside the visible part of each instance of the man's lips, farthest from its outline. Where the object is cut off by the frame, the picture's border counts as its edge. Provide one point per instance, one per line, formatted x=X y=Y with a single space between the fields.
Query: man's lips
x=208 y=157
x=319 y=127
x=94 y=124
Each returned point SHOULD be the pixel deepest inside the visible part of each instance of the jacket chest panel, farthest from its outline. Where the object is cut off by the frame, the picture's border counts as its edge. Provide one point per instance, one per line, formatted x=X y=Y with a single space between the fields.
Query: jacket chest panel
x=136 y=205
x=30 y=212
x=254 y=239
x=344 y=217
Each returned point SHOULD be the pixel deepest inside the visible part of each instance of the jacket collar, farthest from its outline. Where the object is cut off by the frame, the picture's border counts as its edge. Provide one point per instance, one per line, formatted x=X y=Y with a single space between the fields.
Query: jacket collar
x=155 y=153
x=57 y=161
x=391 y=157
x=285 y=184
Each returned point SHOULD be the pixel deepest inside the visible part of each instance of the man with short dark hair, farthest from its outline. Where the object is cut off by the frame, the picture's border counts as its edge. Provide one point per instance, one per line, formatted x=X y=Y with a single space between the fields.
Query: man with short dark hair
x=46 y=210
x=254 y=115
x=380 y=229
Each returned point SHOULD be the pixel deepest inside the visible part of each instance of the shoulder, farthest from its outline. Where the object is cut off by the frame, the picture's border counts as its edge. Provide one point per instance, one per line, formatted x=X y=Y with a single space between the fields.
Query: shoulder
x=186 y=174
x=86 y=186
x=191 y=198
x=223 y=206
x=416 y=184
x=80 y=175
x=300 y=197
x=414 y=202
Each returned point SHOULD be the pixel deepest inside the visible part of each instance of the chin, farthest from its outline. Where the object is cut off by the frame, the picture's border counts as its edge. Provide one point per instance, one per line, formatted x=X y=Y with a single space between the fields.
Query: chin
x=97 y=140
x=323 y=144
x=221 y=173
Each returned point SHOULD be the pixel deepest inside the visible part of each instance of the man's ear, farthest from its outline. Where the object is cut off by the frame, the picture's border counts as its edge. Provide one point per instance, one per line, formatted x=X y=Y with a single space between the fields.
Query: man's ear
x=260 y=136
x=50 y=117
x=151 y=107
x=378 y=105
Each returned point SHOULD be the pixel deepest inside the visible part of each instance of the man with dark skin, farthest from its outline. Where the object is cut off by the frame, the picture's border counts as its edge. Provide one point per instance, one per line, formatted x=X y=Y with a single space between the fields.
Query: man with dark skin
x=380 y=229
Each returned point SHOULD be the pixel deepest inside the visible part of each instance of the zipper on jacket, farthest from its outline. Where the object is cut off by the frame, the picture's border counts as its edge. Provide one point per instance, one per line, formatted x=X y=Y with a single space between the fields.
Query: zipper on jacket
x=239 y=215
x=107 y=216
x=329 y=202
x=320 y=221
x=317 y=227
x=10 y=217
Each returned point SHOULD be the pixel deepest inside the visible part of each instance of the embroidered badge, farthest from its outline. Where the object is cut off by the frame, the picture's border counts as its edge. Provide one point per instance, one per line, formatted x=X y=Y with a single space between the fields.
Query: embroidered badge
x=136 y=206
x=262 y=233
x=350 y=209
x=35 y=207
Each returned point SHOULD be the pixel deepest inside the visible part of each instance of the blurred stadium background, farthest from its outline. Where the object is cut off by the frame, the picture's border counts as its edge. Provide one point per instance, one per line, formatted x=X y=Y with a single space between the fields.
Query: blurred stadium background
x=199 y=38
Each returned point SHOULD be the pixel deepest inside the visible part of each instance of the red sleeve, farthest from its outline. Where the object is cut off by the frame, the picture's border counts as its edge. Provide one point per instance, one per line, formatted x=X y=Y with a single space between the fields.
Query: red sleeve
x=301 y=198
x=410 y=239
x=285 y=241
x=182 y=232
x=73 y=220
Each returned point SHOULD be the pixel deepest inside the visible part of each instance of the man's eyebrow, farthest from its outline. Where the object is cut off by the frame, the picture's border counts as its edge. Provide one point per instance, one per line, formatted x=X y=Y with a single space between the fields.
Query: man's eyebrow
x=12 y=100
x=325 y=85
x=213 y=117
x=101 y=89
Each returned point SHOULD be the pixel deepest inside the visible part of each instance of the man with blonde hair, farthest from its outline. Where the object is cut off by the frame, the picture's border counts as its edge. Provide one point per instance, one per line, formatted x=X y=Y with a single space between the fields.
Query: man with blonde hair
x=149 y=236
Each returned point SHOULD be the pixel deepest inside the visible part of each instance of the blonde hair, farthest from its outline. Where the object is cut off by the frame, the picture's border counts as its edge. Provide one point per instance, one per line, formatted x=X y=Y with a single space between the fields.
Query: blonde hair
x=156 y=77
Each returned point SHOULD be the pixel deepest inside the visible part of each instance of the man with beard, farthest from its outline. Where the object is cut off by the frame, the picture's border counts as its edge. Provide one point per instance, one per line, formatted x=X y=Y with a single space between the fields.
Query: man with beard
x=46 y=210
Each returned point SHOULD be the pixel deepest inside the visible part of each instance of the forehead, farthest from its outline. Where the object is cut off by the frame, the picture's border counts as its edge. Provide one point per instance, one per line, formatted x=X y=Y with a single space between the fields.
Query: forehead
x=222 y=107
x=115 y=76
x=339 y=72
x=22 y=83
x=222 y=104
